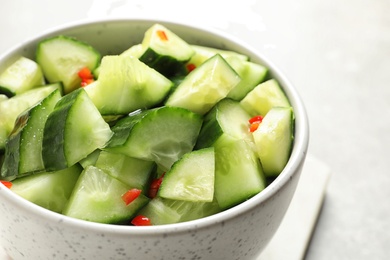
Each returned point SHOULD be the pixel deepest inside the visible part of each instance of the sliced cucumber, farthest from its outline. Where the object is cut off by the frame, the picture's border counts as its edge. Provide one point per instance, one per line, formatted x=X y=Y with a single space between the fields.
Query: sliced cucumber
x=134 y=51
x=125 y=84
x=162 y=135
x=205 y=86
x=131 y=171
x=203 y=53
x=238 y=173
x=91 y=159
x=16 y=105
x=73 y=130
x=97 y=197
x=50 y=190
x=162 y=211
x=191 y=178
x=62 y=57
x=251 y=75
x=20 y=76
x=165 y=51
x=23 y=151
x=263 y=97
x=274 y=139
x=227 y=117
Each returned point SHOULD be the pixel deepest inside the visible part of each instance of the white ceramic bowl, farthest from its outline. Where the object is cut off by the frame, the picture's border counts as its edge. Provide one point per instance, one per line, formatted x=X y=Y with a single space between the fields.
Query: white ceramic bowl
x=28 y=231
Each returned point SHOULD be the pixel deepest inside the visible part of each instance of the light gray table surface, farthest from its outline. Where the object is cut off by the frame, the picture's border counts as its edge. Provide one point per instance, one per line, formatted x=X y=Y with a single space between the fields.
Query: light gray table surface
x=336 y=53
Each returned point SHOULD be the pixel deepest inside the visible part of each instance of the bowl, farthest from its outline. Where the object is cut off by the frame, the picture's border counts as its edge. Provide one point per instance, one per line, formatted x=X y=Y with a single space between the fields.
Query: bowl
x=28 y=231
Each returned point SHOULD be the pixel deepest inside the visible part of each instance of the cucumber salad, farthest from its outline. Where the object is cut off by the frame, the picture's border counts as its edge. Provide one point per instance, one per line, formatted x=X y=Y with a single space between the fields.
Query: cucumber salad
x=164 y=132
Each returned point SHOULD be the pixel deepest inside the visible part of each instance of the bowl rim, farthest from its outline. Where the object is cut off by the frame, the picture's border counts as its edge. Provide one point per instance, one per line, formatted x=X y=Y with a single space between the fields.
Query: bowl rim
x=297 y=157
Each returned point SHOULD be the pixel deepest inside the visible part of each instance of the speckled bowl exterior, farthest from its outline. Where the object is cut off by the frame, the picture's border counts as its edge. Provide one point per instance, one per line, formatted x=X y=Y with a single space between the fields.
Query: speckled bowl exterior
x=28 y=231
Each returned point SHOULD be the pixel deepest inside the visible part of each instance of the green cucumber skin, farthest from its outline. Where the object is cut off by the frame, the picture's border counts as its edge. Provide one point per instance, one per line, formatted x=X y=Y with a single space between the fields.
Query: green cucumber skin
x=166 y=65
x=210 y=131
x=53 y=153
x=23 y=149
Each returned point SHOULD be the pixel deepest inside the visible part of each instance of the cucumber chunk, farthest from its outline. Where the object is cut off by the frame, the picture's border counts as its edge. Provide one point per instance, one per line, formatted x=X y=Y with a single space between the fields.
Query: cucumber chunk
x=165 y=51
x=274 y=139
x=62 y=57
x=50 y=190
x=191 y=178
x=23 y=151
x=20 y=76
x=16 y=105
x=97 y=197
x=205 y=86
x=263 y=97
x=251 y=75
x=161 y=135
x=125 y=84
x=162 y=211
x=238 y=173
x=131 y=171
x=72 y=131
x=227 y=117
x=203 y=53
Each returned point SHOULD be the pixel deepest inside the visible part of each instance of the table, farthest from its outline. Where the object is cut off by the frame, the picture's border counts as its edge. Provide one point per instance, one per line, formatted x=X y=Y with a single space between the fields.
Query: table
x=336 y=53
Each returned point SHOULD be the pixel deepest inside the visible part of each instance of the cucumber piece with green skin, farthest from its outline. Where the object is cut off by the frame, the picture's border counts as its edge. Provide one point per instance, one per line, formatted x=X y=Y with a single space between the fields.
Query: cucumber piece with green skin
x=251 y=75
x=162 y=211
x=19 y=103
x=125 y=84
x=238 y=173
x=62 y=57
x=91 y=159
x=274 y=138
x=227 y=117
x=191 y=178
x=3 y=97
x=97 y=197
x=20 y=76
x=72 y=131
x=161 y=135
x=205 y=86
x=203 y=53
x=263 y=97
x=134 y=51
x=50 y=190
x=131 y=171
x=23 y=151
x=165 y=51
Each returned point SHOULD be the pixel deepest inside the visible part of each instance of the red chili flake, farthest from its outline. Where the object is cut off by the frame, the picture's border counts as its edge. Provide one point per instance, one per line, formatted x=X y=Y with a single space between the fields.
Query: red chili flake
x=131 y=195
x=191 y=67
x=254 y=123
x=162 y=35
x=141 y=220
x=155 y=186
x=86 y=76
x=7 y=184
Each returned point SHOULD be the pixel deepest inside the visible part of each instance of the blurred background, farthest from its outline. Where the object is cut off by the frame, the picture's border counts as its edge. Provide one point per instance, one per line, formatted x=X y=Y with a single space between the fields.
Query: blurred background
x=336 y=53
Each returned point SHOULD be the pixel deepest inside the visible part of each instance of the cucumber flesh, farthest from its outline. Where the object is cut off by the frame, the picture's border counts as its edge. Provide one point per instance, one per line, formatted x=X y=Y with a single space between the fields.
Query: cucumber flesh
x=50 y=190
x=205 y=86
x=131 y=171
x=274 y=139
x=62 y=57
x=97 y=197
x=72 y=131
x=165 y=51
x=203 y=53
x=227 y=117
x=20 y=76
x=238 y=173
x=162 y=211
x=263 y=97
x=125 y=84
x=23 y=151
x=161 y=135
x=191 y=178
